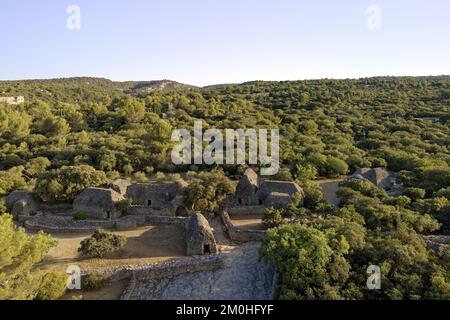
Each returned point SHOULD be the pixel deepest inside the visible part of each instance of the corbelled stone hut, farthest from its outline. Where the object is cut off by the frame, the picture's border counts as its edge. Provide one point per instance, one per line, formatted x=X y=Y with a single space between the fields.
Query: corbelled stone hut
x=278 y=200
x=166 y=197
x=250 y=191
x=380 y=177
x=98 y=203
x=247 y=187
x=199 y=236
x=154 y=196
x=281 y=187
x=22 y=203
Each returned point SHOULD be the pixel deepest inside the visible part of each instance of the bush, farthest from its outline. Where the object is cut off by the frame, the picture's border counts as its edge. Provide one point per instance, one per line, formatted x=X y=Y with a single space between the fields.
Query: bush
x=336 y=167
x=401 y=201
x=3 y=208
x=272 y=217
x=80 y=216
x=443 y=193
x=124 y=205
x=52 y=287
x=160 y=177
x=313 y=196
x=100 y=244
x=93 y=282
x=140 y=177
x=415 y=193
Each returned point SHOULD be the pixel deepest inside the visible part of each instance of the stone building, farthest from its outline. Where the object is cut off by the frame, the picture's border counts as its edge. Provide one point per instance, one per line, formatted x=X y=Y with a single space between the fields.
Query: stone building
x=22 y=204
x=247 y=188
x=98 y=203
x=380 y=177
x=250 y=191
x=12 y=100
x=166 y=197
x=199 y=236
x=278 y=200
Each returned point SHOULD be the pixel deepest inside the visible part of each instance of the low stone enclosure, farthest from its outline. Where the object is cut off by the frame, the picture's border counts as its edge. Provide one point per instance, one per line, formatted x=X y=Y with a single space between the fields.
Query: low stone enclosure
x=160 y=271
x=65 y=224
x=240 y=235
x=245 y=210
x=243 y=276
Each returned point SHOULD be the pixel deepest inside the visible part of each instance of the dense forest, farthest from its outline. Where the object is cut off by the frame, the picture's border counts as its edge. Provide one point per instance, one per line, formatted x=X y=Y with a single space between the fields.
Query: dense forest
x=75 y=133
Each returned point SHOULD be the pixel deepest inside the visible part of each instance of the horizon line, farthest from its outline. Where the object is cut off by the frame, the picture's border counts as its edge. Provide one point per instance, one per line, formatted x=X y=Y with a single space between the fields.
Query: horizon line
x=227 y=83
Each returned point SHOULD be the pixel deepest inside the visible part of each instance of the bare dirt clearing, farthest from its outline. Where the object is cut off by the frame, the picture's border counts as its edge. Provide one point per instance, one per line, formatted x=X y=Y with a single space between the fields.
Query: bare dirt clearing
x=248 y=222
x=144 y=246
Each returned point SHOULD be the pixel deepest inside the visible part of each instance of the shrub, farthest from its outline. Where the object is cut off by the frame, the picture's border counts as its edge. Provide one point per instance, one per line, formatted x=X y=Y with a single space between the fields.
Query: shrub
x=140 y=177
x=272 y=217
x=336 y=167
x=415 y=193
x=93 y=281
x=52 y=287
x=313 y=195
x=3 y=208
x=124 y=205
x=401 y=201
x=100 y=244
x=160 y=177
x=444 y=193
x=80 y=216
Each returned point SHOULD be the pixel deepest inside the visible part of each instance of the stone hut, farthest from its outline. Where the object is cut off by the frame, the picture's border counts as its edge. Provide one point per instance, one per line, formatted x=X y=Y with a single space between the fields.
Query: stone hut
x=277 y=188
x=250 y=191
x=22 y=204
x=166 y=197
x=98 y=203
x=199 y=236
x=247 y=187
x=380 y=177
x=278 y=200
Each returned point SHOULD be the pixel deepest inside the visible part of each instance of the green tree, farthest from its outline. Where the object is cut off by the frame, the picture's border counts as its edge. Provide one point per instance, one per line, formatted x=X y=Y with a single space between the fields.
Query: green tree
x=309 y=265
x=67 y=182
x=19 y=252
x=11 y=180
x=14 y=124
x=207 y=191
x=53 y=285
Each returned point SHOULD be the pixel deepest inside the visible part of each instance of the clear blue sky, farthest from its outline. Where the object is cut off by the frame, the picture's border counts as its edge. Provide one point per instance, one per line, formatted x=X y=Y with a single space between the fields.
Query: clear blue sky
x=204 y=42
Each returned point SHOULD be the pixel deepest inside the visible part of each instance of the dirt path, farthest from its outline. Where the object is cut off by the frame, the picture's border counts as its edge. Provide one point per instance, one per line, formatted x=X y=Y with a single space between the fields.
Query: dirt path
x=244 y=277
x=329 y=189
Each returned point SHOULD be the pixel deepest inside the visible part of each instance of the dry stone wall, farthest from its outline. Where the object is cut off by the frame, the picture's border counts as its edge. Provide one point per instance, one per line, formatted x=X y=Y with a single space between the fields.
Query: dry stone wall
x=66 y=224
x=240 y=235
x=245 y=210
